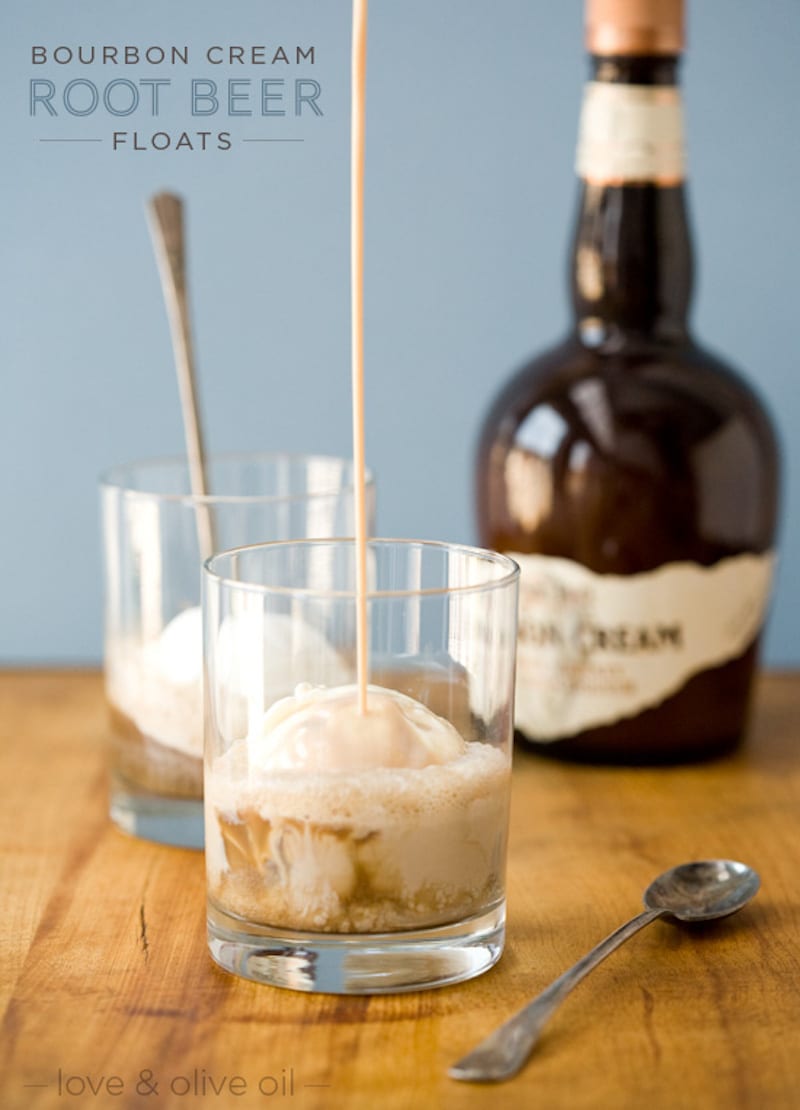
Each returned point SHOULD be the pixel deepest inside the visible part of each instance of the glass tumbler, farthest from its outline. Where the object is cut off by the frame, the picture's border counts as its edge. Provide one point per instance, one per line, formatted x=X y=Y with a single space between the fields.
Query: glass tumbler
x=152 y=529
x=347 y=851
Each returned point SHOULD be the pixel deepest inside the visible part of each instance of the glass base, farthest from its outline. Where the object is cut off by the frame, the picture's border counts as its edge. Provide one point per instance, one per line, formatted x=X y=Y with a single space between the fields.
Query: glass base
x=358 y=963
x=175 y=821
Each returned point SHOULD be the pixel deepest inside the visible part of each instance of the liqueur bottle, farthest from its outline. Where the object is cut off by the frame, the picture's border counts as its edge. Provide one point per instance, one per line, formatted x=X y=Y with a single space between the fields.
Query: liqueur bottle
x=631 y=473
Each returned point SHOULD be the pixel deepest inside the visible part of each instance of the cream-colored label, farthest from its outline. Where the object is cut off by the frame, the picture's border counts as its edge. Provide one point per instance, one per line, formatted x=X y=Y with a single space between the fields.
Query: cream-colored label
x=631 y=133
x=596 y=648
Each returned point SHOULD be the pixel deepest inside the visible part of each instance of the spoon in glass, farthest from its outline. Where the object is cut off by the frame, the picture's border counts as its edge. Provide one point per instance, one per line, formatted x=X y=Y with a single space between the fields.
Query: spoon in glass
x=700 y=891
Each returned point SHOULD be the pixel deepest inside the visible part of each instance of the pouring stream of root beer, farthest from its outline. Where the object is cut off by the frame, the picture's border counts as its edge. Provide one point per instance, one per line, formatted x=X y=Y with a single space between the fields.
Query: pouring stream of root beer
x=358 y=78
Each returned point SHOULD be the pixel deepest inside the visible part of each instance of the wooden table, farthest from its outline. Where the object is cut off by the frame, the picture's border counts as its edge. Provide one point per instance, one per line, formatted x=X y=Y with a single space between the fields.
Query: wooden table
x=106 y=974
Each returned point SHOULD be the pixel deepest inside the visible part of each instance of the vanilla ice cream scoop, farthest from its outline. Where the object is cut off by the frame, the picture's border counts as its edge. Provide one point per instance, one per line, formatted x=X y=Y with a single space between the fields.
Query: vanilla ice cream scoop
x=278 y=647
x=248 y=645
x=159 y=684
x=321 y=729
x=178 y=651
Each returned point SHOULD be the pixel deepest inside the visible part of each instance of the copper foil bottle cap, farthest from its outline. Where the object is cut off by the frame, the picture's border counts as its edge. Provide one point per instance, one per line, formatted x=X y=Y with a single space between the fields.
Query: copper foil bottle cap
x=642 y=27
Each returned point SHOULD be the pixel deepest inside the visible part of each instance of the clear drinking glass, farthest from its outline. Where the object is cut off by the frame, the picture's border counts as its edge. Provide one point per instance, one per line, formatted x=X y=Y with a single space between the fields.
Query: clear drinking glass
x=347 y=853
x=153 y=627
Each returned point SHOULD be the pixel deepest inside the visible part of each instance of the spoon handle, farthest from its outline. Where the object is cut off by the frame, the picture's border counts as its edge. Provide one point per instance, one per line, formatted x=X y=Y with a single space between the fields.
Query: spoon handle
x=166 y=222
x=503 y=1052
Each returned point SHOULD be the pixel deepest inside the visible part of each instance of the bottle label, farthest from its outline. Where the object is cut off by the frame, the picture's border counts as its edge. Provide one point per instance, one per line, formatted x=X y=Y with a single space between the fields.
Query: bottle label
x=596 y=648
x=631 y=133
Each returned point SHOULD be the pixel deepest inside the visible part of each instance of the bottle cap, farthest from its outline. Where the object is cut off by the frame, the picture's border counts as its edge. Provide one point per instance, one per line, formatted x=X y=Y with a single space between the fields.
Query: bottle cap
x=642 y=27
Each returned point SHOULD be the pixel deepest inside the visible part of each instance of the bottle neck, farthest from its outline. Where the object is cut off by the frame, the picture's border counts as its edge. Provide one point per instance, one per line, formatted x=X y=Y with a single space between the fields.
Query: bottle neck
x=632 y=256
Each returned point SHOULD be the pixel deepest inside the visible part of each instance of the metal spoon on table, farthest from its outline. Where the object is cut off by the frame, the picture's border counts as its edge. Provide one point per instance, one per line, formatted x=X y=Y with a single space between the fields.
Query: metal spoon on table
x=700 y=891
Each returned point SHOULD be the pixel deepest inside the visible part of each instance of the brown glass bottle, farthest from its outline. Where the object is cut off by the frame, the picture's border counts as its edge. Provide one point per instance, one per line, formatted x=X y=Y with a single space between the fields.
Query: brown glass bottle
x=629 y=449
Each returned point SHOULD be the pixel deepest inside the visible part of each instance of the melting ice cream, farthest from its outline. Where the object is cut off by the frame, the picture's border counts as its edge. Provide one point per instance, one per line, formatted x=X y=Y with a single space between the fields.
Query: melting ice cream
x=326 y=820
x=156 y=687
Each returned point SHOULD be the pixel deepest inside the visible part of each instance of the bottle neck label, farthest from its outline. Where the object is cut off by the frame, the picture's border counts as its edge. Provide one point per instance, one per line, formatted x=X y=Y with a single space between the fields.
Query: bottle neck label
x=631 y=134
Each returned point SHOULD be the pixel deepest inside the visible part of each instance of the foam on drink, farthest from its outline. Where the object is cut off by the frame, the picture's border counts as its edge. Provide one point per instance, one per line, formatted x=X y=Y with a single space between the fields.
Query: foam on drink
x=330 y=821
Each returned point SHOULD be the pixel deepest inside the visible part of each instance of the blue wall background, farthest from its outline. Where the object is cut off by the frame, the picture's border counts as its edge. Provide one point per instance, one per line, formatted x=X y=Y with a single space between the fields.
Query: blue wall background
x=470 y=196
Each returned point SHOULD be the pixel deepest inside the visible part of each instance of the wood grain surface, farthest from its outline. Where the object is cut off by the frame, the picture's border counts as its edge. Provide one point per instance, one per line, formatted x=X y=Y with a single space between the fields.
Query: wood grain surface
x=110 y=998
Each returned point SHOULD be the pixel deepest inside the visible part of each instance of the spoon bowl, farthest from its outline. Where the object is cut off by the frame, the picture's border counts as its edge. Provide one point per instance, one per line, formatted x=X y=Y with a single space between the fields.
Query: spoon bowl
x=702 y=891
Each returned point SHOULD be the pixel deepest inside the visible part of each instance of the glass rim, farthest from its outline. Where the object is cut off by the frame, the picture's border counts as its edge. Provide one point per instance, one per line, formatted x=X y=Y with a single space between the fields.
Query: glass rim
x=113 y=478
x=484 y=555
